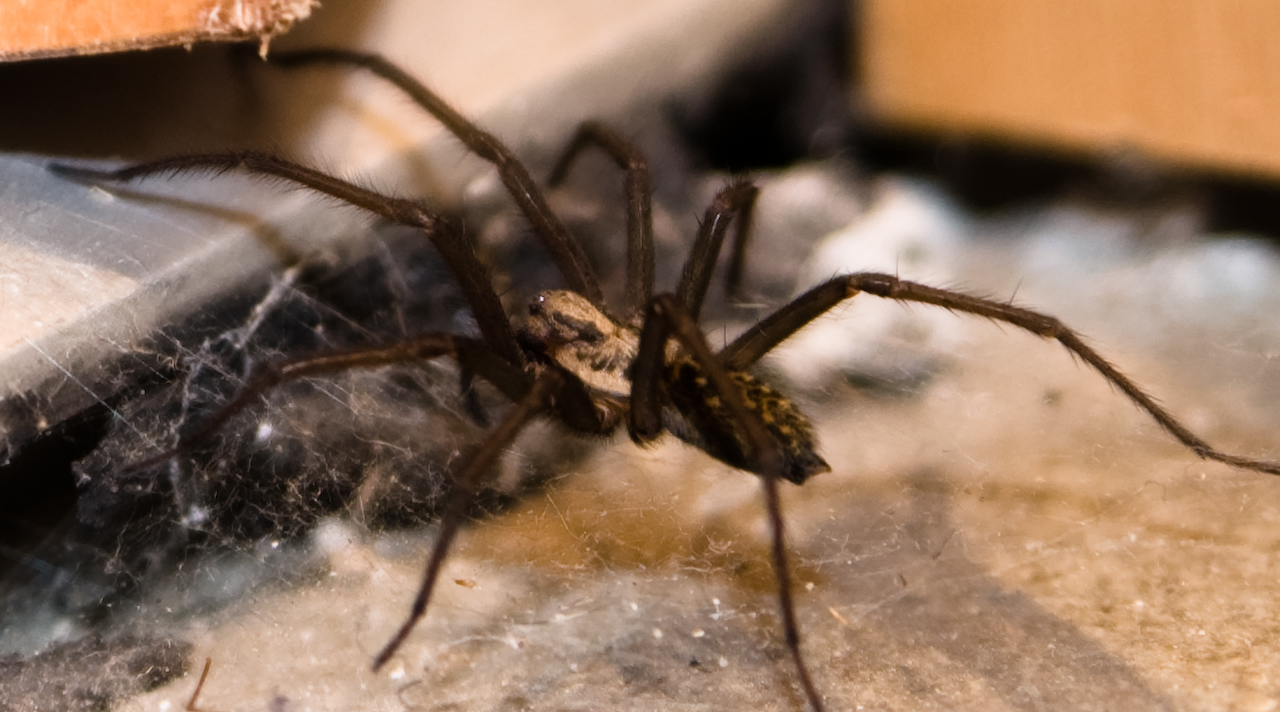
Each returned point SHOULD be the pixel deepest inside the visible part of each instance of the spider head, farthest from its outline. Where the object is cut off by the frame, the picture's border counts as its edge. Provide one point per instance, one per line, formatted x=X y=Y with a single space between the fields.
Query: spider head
x=566 y=328
x=561 y=317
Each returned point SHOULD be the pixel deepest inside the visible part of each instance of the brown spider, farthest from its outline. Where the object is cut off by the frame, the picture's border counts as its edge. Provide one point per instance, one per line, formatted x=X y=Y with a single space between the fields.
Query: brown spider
x=572 y=360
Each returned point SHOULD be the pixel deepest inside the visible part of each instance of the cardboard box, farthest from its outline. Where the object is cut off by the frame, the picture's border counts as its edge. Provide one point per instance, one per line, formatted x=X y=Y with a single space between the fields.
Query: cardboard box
x=54 y=28
x=1182 y=81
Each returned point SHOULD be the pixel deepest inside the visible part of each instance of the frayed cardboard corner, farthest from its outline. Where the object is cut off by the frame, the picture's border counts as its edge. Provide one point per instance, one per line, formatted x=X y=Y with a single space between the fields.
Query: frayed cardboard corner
x=59 y=28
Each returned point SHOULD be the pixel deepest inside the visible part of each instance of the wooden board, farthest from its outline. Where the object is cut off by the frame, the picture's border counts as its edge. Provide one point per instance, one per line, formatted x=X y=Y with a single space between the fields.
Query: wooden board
x=1181 y=81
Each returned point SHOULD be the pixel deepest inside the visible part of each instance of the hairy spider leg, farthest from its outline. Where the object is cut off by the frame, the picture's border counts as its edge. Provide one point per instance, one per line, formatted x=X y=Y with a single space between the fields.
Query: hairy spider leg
x=550 y=391
x=472 y=275
x=566 y=251
x=777 y=327
x=195 y=694
x=734 y=200
x=665 y=318
x=537 y=400
x=741 y=238
x=635 y=167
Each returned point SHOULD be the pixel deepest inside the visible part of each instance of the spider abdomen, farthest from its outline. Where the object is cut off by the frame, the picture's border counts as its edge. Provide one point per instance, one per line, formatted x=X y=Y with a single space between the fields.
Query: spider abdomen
x=699 y=417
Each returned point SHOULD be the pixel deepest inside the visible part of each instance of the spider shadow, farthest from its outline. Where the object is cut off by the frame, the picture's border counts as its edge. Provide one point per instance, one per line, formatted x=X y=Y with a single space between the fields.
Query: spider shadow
x=947 y=621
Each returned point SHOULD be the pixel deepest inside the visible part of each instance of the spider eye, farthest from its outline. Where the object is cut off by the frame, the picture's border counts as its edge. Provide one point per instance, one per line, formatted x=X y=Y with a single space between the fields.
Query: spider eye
x=538 y=306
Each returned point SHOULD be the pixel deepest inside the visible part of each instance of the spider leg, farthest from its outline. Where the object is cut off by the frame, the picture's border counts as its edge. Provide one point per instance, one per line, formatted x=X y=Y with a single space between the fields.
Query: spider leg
x=777 y=327
x=741 y=236
x=470 y=399
x=195 y=694
x=666 y=317
x=537 y=400
x=473 y=277
x=566 y=252
x=639 y=203
x=736 y=199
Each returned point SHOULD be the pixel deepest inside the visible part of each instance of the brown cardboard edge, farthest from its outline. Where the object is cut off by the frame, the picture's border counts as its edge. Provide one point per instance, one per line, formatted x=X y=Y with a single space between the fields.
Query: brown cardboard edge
x=224 y=21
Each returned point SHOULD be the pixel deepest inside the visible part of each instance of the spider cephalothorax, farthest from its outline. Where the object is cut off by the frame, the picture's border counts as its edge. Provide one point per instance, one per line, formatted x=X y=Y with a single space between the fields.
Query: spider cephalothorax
x=569 y=330
x=570 y=361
